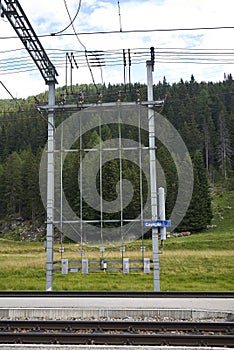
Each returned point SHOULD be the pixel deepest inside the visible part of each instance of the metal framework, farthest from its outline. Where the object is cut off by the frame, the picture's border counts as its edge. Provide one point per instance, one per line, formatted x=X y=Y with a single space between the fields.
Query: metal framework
x=102 y=153
x=20 y=23
x=79 y=106
x=79 y=227
x=12 y=10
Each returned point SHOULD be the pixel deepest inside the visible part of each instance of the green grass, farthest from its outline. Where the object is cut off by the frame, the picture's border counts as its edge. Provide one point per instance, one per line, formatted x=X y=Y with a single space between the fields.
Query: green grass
x=223 y=210
x=207 y=270
x=183 y=266
x=200 y=262
x=210 y=240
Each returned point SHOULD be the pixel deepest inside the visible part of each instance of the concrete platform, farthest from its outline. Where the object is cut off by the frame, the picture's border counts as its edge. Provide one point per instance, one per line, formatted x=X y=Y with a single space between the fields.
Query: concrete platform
x=84 y=308
x=74 y=313
x=208 y=304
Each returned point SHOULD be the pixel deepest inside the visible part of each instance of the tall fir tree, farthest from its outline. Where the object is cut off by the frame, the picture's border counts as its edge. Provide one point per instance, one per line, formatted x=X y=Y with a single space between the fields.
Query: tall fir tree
x=13 y=184
x=199 y=213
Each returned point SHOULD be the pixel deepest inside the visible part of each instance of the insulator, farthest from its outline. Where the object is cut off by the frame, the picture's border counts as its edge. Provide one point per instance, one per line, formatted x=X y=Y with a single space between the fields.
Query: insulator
x=138 y=96
x=119 y=96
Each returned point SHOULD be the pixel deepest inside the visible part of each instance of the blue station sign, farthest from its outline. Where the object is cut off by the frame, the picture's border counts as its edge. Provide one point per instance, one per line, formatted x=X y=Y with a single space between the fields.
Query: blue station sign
x=157 y=223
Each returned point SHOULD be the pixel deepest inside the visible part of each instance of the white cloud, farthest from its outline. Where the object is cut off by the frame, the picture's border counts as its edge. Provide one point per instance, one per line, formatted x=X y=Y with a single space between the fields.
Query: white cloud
x=50 y=16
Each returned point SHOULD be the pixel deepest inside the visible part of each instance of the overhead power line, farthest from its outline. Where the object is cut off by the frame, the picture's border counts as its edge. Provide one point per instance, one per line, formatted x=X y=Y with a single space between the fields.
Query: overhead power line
x=81 y=43
x=13 y=98
x=150 y=30
x=128 y=31
x=108 y=58
x=71 y=21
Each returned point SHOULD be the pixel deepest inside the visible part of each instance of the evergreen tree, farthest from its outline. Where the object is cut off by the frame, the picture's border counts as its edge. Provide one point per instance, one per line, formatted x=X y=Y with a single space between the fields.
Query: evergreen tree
x=2 y=199
x=202 y=113
x=170 y=172
x=31 y=196
x=13 y=184
x=224 y=147
x=3 y=144
x=199 y=213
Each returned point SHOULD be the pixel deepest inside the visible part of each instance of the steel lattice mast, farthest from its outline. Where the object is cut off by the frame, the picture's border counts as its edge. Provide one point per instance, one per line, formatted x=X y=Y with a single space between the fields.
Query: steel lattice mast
x=13 y=11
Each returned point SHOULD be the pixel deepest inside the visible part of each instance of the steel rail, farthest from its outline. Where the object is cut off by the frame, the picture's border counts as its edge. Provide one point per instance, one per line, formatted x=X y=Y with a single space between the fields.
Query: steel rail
x=126 y=326
x=117 y=339
x=112 y=294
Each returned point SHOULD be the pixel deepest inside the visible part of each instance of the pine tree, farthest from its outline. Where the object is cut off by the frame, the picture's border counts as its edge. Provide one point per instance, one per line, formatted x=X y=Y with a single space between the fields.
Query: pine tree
x=13 y=184
x=170 y=172
x=199 y=213
x=3 y=144
x=2 y=199
x=224 y=147
x=30 y=181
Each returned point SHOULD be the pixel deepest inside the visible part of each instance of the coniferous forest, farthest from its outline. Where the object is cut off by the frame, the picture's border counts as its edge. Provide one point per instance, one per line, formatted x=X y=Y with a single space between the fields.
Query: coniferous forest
x=203 y=114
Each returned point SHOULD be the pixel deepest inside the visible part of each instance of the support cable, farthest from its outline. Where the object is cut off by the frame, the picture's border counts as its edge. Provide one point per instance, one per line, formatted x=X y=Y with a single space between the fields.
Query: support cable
x=80 y=42
x=36 y=103
x=71 y=22
x=13 y=98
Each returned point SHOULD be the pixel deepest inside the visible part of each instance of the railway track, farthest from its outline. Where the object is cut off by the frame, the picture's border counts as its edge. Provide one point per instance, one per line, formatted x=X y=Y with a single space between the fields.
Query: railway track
x=107 y=294
x=117 y=333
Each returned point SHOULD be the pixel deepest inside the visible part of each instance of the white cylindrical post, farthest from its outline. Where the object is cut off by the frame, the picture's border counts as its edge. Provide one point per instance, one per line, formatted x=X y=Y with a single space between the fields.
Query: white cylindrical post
x=162 y=212
x=153 y=182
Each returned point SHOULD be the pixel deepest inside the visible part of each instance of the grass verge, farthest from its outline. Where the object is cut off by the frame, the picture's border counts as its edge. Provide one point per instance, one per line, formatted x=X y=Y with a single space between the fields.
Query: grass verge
x=200 y=262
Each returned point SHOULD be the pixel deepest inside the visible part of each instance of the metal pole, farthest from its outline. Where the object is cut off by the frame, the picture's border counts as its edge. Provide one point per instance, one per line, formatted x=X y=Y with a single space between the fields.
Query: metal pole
x=50 y=190
x=101 y=176
x=81 y=187
x=153 y=182
x=141 y=186
x=121 y=181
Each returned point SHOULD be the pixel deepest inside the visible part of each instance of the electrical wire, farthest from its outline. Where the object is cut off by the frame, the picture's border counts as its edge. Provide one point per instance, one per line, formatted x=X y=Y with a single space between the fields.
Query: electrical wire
x=126 y=31
x=114 y=58
x=151 y=30
x=97 y=58
x=80 y=42
x=41 y=116
x=71 y=22
x=13 y=98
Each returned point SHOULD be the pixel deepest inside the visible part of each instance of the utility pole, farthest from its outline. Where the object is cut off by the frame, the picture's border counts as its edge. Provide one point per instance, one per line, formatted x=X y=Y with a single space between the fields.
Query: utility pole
x=153 y=180
x=13 y=11
x=50 y=190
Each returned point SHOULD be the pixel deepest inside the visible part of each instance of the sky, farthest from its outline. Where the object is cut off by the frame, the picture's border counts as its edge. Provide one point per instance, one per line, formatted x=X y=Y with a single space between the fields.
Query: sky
x=136 y=26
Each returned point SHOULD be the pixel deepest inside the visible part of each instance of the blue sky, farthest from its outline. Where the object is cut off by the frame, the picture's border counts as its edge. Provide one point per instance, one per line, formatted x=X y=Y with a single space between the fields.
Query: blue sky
x=51 y=16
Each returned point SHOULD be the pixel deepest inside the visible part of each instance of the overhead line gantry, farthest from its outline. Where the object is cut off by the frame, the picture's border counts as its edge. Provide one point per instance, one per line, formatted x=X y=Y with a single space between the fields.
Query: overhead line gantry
x=12 y=10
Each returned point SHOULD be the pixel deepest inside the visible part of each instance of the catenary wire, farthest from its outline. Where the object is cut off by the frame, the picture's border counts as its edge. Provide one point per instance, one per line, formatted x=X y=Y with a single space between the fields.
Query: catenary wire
x=126 y=31
x=72 y=21
x=99 y=58
x=80 y=42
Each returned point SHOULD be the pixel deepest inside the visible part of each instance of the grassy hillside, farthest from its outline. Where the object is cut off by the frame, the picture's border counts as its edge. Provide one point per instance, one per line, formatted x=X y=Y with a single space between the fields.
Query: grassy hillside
x=223 y=210
x=200 y=262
